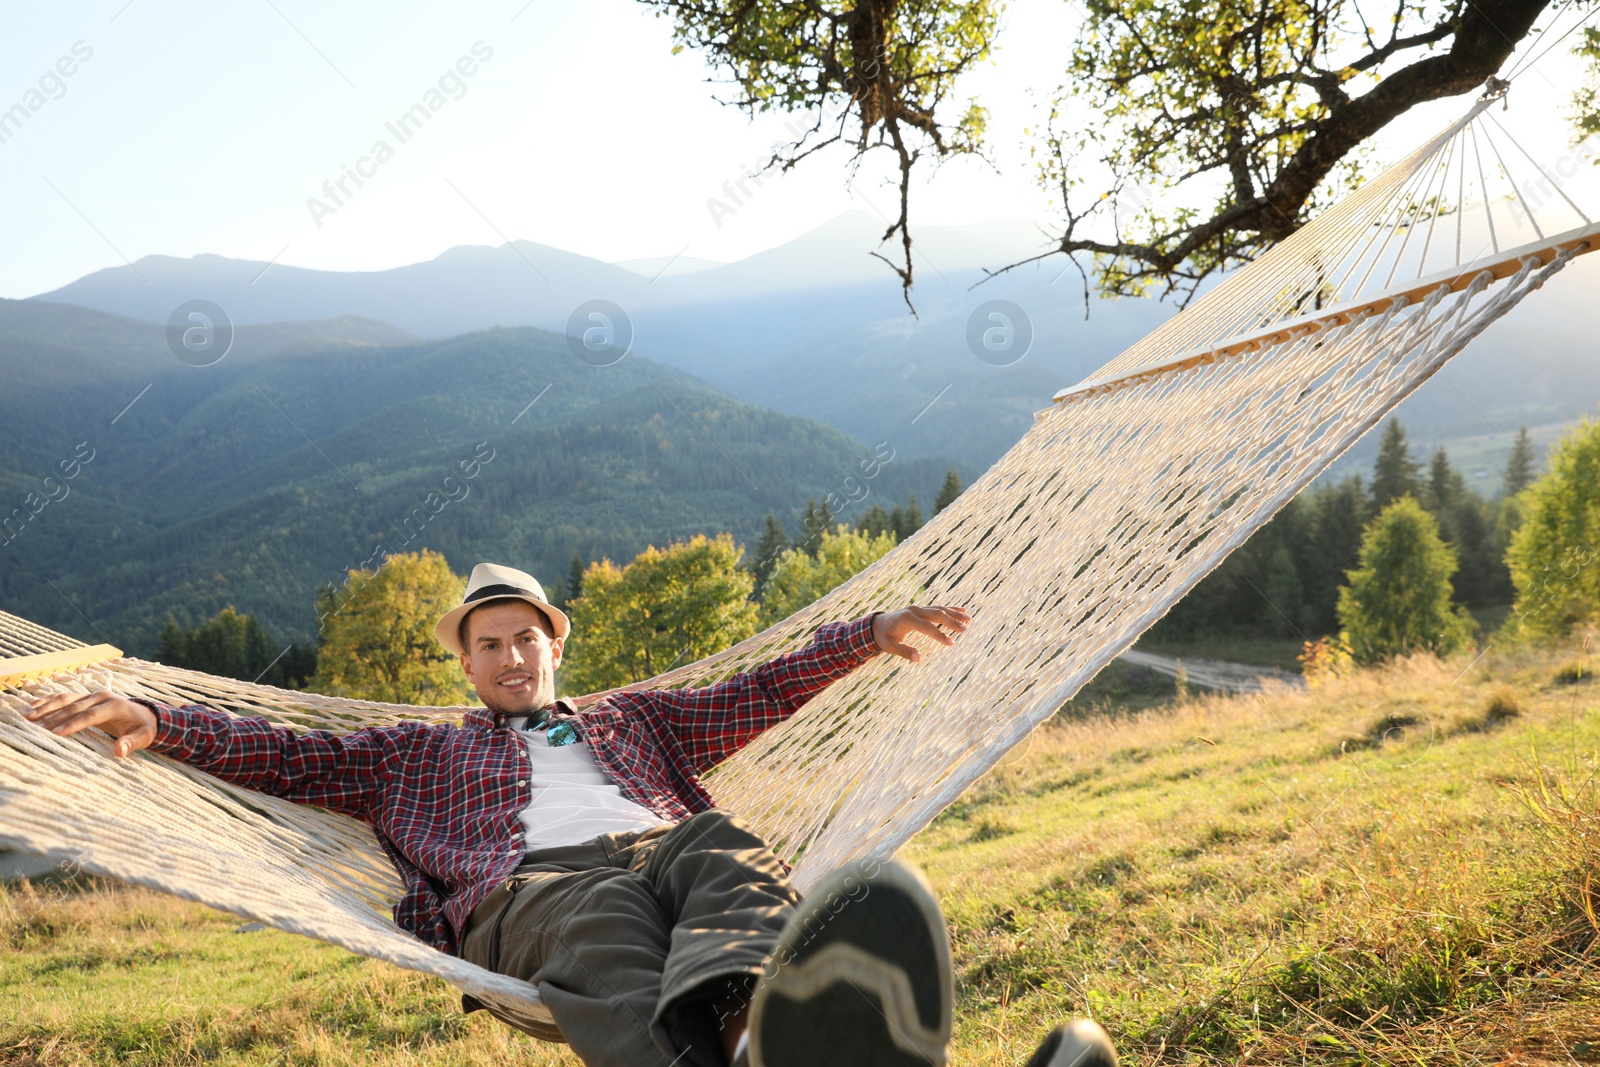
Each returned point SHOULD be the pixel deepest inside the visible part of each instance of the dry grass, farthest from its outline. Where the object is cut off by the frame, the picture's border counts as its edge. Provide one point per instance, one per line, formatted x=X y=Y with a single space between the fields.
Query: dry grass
x=1368 y=872
x=1397 y=867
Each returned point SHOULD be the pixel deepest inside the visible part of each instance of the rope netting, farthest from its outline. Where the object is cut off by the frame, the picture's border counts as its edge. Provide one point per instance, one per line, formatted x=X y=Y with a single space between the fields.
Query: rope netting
x=1121 y=497
x=151 y=821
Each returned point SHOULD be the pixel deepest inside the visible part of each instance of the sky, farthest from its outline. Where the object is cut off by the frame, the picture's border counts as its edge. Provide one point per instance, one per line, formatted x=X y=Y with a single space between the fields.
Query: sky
x=189 y=128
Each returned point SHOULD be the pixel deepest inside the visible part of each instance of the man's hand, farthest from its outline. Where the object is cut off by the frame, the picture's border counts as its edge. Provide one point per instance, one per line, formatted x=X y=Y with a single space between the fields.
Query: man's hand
x=133 y=725
x=891 y=628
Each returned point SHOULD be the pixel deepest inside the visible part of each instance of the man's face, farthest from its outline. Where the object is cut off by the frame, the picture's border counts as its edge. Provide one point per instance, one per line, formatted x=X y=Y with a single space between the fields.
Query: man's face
x=511 y=657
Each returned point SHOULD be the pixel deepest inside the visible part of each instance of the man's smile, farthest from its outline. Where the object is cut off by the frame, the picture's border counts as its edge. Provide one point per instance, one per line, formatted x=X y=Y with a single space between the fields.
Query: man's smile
x=515 y=681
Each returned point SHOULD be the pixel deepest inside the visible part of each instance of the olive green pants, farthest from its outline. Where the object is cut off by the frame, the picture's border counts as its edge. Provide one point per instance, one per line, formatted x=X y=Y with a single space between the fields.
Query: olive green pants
x=640 y=943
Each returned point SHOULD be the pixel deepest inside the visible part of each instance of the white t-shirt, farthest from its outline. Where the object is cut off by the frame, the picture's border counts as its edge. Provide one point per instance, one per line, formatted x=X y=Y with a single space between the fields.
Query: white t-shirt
x=573 y=799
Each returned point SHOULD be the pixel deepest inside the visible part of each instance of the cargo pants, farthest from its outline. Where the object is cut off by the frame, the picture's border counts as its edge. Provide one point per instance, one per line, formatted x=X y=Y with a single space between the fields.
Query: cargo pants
x=640 y=943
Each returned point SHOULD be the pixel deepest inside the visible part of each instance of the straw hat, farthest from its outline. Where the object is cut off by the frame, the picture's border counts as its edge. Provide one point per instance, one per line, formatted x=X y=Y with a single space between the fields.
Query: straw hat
x=490 y=581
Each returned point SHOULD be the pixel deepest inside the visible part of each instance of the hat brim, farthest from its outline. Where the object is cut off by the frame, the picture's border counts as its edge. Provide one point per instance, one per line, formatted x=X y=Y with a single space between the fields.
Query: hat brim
x=448 y=628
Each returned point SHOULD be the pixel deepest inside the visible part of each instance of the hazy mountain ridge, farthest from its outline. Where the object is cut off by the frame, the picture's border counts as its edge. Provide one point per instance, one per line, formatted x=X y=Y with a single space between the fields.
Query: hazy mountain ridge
x=251 y=482
x=817 y=328
x=775 y=328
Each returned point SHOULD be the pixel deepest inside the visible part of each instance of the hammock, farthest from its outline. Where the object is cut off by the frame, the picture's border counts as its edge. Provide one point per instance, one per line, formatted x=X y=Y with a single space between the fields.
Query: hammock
x=1124 y=494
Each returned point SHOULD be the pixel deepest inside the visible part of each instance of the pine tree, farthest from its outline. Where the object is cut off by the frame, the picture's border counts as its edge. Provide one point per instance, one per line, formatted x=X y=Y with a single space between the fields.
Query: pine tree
x=772 y=545
x=1339 y=513
x=1469 y=527
x=575 y=578
x=1443 y=484
x=817 y=520
x=173 y=647
x=948 y=493
x=1466 y=523
x=909 y=521
x=1521 y=464
x=234 y=645
x=1504 y=519
x=1395 y=474
x=874 y=522
x=298 y=666
x=1284 y=594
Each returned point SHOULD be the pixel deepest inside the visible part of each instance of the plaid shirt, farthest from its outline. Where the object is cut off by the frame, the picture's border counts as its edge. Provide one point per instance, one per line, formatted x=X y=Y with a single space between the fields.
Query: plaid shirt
x=445 y=801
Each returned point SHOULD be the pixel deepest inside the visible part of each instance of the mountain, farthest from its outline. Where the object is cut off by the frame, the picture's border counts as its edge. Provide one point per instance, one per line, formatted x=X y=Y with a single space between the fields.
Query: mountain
x=659 y=266
x=817 y=328
x=525 y=283
x=313 y=446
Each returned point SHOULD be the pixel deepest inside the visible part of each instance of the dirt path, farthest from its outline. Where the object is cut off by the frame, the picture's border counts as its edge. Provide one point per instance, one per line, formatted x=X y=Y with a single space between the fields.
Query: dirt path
x=1213 y=673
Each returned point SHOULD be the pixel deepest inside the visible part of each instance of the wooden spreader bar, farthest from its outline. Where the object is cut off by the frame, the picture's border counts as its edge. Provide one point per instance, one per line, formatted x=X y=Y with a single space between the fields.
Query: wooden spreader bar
x=1583 y=239
x=19 y=670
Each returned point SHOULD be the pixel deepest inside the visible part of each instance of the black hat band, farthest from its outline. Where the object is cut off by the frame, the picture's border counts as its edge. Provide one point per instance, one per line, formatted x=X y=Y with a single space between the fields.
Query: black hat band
x=500 y=590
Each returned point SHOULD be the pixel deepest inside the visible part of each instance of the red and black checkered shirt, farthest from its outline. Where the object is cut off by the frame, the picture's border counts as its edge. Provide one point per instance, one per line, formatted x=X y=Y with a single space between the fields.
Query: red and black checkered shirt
x=445 y=801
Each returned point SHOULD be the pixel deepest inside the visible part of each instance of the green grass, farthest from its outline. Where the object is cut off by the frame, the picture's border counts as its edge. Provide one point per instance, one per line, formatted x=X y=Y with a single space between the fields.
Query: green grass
x=1389 y=868
x=102 y=974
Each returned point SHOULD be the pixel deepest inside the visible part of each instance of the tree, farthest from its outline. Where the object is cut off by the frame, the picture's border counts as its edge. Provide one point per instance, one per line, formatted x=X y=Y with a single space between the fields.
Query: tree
x=1259 y=128
x=817 y=520
x=1284 y=594
x=1521 y=465
x=1552 y=554
x=1445 y=486
x=799 y=579
x=875 y=521
x=1468 y=526
x=1395 y=474
x=575 y=578
x=947 y=492
x=774 y=542
x=1258 y=590
x=377 y=638
x=1465 y=525
x=1339 y=514
x=906 y=522
x=1252 y=113
x=1507 y=520
x=668 y=607
x=1398 y=599
x=887 y=67
x=1586 y=100
x=902 y=521
x=232 y=645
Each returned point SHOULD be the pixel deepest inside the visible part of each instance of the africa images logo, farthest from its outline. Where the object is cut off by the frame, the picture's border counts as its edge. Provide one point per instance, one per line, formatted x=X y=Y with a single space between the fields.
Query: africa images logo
x=406 y=125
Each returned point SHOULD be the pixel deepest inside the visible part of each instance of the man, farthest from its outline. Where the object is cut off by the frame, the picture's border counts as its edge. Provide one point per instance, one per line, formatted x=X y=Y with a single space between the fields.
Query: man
x=578 y=850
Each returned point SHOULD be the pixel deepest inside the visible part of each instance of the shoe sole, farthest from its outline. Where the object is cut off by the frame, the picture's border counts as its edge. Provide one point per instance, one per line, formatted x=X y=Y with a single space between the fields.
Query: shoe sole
x=860 y=977
x=1076 y=1044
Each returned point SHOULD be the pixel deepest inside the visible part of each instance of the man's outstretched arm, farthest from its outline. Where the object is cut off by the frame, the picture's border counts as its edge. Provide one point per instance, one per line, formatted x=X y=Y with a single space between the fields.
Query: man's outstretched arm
x=714 y=722
x=337 y=771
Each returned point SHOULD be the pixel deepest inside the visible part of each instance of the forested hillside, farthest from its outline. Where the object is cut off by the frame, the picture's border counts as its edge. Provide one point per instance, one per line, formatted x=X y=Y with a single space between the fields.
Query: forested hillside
x=314 y=448
x=1284 y=581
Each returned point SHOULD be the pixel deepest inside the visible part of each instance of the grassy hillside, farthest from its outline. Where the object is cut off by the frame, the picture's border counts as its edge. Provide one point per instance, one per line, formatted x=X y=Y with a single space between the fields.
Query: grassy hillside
x=1392 y=868
x=1362 y=873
